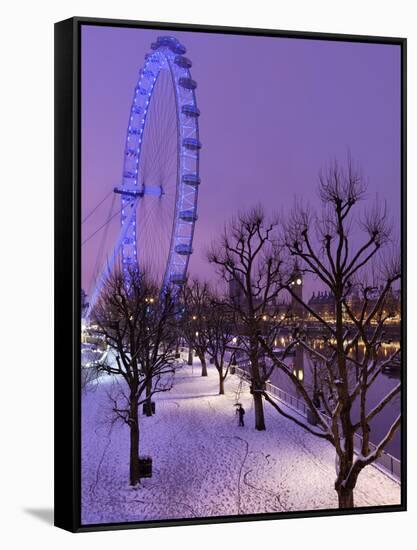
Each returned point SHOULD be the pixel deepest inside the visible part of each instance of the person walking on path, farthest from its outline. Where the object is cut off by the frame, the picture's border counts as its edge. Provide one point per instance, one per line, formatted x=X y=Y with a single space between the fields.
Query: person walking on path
x=241 y=412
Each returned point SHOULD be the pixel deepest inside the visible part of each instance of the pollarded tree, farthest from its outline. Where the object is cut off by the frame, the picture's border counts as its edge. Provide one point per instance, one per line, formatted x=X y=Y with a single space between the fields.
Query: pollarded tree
x=195 y=298
x=219 y=332
x=138 y=323
x=248 y=258
x=326 y=247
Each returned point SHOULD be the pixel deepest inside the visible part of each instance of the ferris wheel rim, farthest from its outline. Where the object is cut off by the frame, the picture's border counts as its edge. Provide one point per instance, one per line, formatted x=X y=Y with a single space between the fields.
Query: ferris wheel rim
x=168 y=54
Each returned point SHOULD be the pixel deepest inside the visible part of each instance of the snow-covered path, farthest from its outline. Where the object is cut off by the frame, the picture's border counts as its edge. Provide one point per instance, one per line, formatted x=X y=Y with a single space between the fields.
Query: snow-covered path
x=204 y=464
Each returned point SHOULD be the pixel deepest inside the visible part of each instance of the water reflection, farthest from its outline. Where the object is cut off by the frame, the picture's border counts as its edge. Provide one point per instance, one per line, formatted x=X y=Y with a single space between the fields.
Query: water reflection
x=310 y=372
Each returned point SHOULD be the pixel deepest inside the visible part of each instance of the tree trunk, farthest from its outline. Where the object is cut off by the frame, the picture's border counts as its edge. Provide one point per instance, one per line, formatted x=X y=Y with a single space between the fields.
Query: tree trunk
x=345 y=496
x=257 y=385
x=221 y=385
x=203 y=364
x=344 y=489
x=148 y=403
x=134 y=443
x=190 y=355
x=259 y=411
x=346 y=482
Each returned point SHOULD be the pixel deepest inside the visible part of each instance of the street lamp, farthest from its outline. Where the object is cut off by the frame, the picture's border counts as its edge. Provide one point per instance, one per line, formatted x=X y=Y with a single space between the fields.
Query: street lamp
x=316 y=398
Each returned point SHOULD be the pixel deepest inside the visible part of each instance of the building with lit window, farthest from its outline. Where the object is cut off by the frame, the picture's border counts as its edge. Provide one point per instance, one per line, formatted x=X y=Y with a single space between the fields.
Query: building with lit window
x=324 y=304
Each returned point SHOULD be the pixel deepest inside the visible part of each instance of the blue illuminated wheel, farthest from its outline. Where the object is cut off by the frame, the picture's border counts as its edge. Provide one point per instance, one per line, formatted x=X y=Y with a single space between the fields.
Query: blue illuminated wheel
x=160 y=182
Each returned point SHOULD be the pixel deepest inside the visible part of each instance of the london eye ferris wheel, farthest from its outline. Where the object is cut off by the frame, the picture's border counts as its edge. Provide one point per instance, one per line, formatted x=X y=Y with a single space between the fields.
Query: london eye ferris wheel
x=160 y=179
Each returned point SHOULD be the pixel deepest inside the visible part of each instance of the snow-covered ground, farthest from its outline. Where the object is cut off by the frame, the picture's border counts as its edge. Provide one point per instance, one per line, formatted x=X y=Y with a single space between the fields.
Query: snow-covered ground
x=204 y=464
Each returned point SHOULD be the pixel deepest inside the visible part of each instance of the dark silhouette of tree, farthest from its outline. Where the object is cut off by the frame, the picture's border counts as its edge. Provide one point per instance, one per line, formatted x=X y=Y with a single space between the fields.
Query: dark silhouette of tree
x=362 y=280
x=195 y=298
x=219 y=333
x=137 y=321
x=248 y=258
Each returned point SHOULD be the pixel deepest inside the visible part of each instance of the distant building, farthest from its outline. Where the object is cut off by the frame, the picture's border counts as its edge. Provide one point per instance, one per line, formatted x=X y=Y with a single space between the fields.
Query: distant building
x=391 y=307
x=297 y=309
x=324 y=304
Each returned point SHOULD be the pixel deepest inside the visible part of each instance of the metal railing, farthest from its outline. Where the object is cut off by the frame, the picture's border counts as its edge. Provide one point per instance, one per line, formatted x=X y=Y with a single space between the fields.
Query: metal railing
x=386 y=463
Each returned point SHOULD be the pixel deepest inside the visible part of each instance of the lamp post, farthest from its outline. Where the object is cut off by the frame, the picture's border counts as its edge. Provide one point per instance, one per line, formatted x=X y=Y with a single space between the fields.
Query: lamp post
x=316 y=398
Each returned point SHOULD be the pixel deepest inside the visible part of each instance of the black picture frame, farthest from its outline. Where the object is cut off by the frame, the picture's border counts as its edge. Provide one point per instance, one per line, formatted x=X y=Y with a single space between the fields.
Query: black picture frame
x=67 y=269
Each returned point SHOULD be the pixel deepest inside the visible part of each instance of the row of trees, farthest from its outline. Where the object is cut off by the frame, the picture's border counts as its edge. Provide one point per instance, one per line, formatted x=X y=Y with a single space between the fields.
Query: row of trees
x=259 y=256
x=208 y=328
x=144 y=326
x=139 y=326
x=348 y=249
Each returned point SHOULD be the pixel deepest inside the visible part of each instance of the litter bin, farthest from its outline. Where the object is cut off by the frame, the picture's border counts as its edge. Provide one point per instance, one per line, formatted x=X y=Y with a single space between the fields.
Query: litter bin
x=144 y=407
x=145 y=466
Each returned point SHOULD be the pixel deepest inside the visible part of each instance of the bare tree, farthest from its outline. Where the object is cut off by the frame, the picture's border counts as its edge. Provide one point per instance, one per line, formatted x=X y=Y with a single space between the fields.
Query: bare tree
x=136 y=320
x=195 y=298
x=248 y=259
x=219 y=334
x=361 y=282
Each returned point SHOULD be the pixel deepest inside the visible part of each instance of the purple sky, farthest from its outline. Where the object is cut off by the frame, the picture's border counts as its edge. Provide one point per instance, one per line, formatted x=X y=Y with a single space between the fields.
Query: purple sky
x=273 y=112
